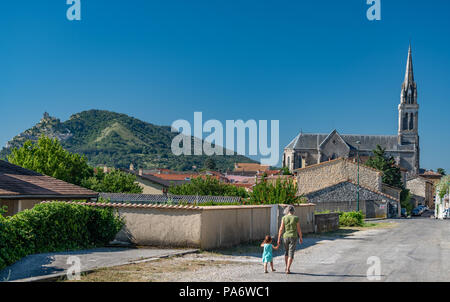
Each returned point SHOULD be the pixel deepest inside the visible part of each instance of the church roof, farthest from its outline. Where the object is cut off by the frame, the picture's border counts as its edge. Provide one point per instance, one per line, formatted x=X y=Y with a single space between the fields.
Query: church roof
x=368 y=142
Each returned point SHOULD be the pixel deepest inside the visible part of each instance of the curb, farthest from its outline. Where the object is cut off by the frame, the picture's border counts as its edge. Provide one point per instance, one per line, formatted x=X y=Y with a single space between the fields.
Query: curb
x=63 y=276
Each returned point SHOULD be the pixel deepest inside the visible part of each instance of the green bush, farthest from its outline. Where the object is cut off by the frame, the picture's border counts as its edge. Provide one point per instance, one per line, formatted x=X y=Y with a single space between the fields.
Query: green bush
x=351 y=218
x=207 y=186
x=54 y=227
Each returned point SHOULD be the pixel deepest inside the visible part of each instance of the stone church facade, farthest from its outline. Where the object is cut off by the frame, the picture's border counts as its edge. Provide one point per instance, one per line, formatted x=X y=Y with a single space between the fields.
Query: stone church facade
x=313 y=148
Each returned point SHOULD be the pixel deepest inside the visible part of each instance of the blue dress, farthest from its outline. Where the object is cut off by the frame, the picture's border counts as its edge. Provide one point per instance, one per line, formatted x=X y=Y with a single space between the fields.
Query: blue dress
x=267 y=254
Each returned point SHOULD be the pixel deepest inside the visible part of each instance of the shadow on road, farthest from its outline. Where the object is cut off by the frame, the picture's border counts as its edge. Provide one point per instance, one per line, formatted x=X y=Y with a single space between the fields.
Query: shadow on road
x=253 y=249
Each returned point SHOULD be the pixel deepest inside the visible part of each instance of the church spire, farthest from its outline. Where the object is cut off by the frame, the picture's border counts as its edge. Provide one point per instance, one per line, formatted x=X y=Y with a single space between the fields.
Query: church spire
x=409 y=75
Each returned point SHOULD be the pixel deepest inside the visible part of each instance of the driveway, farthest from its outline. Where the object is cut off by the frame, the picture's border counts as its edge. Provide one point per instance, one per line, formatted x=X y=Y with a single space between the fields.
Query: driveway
x=417 y=249
x=56 y=263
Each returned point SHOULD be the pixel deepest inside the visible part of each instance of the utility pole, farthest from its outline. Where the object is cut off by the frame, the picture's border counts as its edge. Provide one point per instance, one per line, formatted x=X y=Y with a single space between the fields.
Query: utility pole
x=357 y=190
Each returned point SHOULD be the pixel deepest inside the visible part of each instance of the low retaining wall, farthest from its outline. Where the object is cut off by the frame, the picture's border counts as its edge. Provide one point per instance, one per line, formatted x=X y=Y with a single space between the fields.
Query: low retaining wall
x=326 y=222
x=205 y=227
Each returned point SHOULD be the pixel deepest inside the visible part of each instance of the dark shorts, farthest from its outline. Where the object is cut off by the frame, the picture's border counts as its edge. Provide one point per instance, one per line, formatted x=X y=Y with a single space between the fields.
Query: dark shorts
x=290 y=244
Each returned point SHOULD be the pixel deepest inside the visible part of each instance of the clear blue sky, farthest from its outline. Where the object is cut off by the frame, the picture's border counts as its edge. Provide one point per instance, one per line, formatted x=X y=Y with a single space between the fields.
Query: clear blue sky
x=313 y=65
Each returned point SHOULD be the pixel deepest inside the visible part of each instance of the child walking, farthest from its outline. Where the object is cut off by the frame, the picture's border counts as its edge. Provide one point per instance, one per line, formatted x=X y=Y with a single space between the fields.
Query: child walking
x=267 y=254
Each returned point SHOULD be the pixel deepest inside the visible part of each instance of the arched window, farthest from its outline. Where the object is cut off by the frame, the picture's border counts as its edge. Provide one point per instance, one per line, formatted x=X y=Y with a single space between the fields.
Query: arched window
x=289 y=162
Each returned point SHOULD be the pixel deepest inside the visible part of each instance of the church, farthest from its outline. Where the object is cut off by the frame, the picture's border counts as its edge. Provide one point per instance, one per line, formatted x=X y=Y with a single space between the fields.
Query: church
x=313 y=148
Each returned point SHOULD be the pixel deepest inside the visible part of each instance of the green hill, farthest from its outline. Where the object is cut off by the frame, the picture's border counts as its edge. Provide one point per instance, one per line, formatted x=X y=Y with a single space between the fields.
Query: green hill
x=117 y=140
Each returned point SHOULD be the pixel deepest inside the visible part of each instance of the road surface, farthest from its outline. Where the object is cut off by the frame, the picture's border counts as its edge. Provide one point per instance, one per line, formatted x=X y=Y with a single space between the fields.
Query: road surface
x=417 y=249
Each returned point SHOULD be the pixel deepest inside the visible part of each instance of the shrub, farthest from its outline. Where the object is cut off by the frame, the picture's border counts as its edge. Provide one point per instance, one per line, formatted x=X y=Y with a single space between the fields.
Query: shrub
x=208 y=186
x=53 y=227
x=351 y=218
x=281 y=192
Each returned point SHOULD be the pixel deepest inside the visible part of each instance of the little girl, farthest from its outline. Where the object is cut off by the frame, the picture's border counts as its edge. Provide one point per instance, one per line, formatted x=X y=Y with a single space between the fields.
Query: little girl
x=267 y=254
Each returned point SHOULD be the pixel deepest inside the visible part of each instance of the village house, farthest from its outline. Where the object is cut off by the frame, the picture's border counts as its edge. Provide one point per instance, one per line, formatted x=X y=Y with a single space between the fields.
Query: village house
x=332 y=186
x=22 y=189
x=422 y=191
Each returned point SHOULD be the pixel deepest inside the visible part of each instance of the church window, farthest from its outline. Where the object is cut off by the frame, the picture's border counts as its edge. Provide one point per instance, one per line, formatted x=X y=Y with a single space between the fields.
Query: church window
x=405 y=122
x=411 y=121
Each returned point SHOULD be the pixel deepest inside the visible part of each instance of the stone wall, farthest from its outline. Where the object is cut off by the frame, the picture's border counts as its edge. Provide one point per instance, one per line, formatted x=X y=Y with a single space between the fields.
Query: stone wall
x=422 y=187
x=326 y=222
x=326 y=174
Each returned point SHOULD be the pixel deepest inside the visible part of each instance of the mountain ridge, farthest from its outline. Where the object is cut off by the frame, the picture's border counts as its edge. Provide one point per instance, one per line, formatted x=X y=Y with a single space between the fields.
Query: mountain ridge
x=118 y=140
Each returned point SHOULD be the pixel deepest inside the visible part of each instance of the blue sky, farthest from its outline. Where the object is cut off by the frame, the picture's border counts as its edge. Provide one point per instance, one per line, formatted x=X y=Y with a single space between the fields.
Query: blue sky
x=313 y=65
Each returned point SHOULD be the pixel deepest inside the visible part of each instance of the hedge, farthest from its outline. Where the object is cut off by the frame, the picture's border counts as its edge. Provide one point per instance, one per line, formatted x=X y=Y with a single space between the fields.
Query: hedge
x=351 y=218
x=55 y=227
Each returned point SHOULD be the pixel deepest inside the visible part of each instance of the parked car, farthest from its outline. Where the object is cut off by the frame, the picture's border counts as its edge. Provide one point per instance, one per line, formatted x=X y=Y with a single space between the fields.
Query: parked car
x=422 y=208
x=404 y=213
x=416 y=212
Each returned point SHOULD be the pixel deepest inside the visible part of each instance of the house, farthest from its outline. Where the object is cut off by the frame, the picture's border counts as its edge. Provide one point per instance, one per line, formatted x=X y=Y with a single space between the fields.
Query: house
x=154 y=184
x=333 y=185
x=442 y=204
x=422 y=190
x=250 y=169
x=22 y=189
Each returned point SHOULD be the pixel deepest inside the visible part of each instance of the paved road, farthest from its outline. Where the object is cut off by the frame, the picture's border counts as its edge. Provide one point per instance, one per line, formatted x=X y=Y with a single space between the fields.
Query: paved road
x=417 y=249
x=56 y=263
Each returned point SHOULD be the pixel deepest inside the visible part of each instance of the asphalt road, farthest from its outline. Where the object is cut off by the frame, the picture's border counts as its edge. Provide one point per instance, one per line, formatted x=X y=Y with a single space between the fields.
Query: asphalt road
x=417 y=249
x=56 y=263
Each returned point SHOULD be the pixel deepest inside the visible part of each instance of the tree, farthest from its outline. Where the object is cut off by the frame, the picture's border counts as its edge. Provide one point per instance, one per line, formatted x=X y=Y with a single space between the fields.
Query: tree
x=386 y=164
x=441 y=171
x=208 y=186
x=115 y=181
x=210 y=164
x=282 y=192
x=285 y=171
x=443 y=186
x=48 y=157
x=391 y=174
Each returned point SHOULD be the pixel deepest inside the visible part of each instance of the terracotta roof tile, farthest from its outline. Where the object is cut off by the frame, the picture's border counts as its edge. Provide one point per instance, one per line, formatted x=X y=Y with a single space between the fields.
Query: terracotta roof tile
x=18 y=182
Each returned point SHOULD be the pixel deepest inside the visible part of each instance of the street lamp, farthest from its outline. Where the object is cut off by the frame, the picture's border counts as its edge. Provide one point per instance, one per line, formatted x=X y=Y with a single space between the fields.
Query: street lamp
x=357 y=189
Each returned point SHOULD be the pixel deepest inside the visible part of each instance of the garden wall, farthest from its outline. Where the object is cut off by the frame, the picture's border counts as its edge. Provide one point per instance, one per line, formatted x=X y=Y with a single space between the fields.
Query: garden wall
x=326 y=222
x=206 y=227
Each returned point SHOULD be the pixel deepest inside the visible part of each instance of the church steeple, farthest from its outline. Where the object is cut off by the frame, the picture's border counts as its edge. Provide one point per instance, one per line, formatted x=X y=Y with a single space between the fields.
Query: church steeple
x=409 y=88
x=409 y=75
x=408 y=110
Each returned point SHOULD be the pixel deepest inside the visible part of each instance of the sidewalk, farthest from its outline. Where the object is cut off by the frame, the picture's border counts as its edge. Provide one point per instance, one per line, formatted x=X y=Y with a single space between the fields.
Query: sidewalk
x=42 y=267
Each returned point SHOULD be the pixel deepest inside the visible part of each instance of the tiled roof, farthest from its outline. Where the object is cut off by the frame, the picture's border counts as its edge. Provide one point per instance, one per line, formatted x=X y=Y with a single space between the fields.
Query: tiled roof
x=363 y=187
x=333 y=161
x=162 y=199
x=132 y=205
x=250 y=167
x=368 y=142
x=17 y=182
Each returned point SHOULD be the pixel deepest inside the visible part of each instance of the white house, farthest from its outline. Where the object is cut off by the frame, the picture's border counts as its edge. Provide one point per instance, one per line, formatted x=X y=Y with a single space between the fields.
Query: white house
x=441 y=204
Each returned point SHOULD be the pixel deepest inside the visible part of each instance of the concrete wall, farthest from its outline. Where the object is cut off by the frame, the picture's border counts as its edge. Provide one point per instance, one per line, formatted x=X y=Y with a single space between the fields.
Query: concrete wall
x=230 y=225
x=174 y=227
x=205 y=227
x=326 y=174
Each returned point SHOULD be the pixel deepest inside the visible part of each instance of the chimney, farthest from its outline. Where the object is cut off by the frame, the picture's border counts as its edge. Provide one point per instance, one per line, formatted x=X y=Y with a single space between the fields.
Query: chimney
x=140 y=171
x=131 y=167
x=105 y=169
